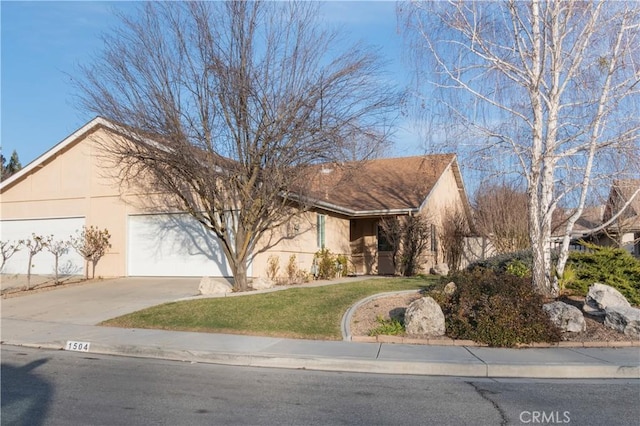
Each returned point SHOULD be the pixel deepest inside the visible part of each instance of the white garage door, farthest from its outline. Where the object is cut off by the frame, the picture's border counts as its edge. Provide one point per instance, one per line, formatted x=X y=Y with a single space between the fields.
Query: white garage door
x=173 y=245
x=43 y=263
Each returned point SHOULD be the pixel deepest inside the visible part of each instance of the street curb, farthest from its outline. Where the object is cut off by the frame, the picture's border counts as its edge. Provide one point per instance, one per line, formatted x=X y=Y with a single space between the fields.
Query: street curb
x=479 y=369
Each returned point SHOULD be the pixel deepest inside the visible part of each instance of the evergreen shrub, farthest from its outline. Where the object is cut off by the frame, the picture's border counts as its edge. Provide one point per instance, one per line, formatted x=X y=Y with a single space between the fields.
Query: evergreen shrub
x=614 y=267
x=499 y=309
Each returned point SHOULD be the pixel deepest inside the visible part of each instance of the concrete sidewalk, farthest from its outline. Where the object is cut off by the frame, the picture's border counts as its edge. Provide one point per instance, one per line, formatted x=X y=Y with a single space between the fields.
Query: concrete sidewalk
x=51 y=319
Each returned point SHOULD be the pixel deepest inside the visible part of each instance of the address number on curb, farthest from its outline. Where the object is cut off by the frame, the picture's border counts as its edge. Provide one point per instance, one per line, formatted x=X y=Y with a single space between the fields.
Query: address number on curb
x=77 y=346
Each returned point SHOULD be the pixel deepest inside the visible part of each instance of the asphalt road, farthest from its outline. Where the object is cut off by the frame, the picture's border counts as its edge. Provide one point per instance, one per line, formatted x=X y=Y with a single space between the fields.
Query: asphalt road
x=69 y=388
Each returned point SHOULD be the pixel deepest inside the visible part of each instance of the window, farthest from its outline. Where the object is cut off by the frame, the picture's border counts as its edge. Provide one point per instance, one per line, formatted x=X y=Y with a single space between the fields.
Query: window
x=383 y=242
x=320 y=229
x=293 y=228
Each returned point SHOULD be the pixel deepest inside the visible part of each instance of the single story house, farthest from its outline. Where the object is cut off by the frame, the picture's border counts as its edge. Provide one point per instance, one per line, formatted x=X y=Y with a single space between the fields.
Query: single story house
x=625 y=229
x=67 y=188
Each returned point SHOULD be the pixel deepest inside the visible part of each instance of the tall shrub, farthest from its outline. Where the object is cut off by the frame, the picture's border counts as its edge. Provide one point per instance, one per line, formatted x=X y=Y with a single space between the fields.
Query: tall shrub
x=499 y=309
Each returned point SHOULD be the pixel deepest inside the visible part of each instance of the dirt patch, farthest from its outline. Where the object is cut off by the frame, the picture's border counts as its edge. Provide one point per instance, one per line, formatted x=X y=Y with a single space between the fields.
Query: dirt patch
x=365 y=318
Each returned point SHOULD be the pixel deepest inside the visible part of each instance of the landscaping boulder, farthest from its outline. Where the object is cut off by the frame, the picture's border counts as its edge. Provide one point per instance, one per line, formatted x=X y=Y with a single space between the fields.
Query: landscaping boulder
x=566 y=317
x=624 y=319
x=261 y=283
x=602 y=296
x=210 y=286
x=450 y=288
x=424 y=317
x=440 y=269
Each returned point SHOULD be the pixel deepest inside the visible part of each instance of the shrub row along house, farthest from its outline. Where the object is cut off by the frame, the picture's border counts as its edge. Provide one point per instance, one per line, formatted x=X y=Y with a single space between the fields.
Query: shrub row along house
x=69 y=187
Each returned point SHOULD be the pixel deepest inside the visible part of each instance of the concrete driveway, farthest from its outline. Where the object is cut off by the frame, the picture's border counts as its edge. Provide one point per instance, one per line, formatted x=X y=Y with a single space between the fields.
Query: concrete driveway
x=94 y=302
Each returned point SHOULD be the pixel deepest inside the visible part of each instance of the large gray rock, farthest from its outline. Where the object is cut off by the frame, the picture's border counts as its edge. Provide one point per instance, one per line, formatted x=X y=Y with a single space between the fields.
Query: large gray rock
x=210 y=286
x=440 y=269
x=602 y=296
x=624 y=319
x=261 y=283
x=424 y=317
x=566 y=317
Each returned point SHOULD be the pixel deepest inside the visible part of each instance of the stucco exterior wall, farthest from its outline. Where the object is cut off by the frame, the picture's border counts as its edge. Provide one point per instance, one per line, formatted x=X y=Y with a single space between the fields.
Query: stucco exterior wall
x=445 y=198
x=302 y=242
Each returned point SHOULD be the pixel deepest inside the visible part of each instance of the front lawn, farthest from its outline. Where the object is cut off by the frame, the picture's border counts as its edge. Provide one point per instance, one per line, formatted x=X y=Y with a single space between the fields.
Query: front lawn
x=301 y=312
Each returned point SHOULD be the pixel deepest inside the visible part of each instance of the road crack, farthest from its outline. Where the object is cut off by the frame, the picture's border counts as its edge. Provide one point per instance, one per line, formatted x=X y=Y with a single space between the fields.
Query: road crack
x=484 y=395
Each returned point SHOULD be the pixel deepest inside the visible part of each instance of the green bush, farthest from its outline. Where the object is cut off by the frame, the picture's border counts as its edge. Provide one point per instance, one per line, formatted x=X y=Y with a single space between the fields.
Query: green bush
x=607 y=265
x=518 y=268
x=343 y=265
x=330 y=266
x=500 y=263
x=498 y=309
x=390 y=327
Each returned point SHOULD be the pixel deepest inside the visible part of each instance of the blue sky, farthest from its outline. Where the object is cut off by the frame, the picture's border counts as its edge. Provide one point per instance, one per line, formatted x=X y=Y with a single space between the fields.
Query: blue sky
x=43 y=42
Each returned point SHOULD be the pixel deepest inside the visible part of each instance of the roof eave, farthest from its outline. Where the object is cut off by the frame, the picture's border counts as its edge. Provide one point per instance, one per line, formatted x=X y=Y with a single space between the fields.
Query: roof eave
x=51 y=153
x=351 y=212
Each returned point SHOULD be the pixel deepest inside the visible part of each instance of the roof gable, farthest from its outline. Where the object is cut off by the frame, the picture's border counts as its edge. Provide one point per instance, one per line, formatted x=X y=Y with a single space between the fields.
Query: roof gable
x=622 y=192
x=68 y=142
x=627 y=189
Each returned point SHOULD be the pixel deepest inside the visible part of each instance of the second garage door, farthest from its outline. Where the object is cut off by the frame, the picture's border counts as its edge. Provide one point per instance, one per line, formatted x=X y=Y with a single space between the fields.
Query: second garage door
x=173 y=245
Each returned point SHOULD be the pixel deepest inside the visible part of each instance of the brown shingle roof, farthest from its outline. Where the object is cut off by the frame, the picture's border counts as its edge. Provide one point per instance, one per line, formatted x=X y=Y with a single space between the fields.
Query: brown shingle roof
x=590 y=219
x=379 y=185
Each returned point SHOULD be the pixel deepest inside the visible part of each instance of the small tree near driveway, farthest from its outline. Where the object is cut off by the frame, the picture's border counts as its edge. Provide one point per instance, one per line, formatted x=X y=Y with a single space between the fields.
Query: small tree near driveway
x=34 y=245
x=57 y=248
x=91 y=243
x=8 y=249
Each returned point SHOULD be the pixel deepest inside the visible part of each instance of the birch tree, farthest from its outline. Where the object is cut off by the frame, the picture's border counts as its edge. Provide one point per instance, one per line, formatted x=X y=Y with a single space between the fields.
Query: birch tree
x=547 y=90
x=240 y=98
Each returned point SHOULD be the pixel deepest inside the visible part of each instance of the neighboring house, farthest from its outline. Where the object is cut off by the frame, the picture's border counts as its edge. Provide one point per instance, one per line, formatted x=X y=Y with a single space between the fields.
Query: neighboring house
x=590 y=219
x=68 y=187
x=624 y=231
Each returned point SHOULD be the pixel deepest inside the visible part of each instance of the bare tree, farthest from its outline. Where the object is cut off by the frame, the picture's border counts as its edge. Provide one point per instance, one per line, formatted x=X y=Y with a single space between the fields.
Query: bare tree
x=34 y=245
x=548 y=90
x=57 y=248
x=408 y=238
x=453 y=231
x=391 y=229
x=500 y=213
x=8 y=249
x=416 y=237
x=239 y=98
